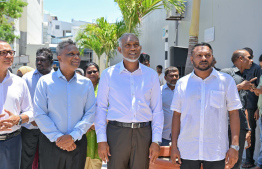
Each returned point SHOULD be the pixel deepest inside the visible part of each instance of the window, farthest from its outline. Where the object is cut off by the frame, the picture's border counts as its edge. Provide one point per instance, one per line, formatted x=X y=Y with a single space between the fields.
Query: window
x=57 y=27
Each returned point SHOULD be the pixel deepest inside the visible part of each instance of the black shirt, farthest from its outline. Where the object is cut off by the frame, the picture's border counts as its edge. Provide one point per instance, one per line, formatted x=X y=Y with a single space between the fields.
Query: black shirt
x=254 y=71
x=238 y=77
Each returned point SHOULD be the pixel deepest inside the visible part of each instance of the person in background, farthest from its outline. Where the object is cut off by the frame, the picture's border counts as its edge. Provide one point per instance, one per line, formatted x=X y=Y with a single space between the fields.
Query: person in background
x=64 y=105
x=252 y=99
x=130 y=91
x=15 y=109
x=200 y=131
x=30 y=132
x=213 y=64
x=144 y=59
x=242 y=61
x=10 y=70
x=80 y=71
x=92 y=160
x=167 y=91
x=23 y=70
x=260 y=61
x=161 y=75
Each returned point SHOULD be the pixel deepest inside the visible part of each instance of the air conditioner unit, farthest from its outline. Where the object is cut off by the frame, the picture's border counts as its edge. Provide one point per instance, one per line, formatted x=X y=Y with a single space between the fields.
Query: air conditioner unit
x=174 y=15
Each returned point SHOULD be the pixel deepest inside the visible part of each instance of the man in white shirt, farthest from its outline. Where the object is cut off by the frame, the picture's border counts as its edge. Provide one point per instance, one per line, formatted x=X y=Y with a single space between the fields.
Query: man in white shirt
x=15 y=109
x=131 y=93
x=202 y=102
x=161 y=75
x=167 y=91
x=30 y=132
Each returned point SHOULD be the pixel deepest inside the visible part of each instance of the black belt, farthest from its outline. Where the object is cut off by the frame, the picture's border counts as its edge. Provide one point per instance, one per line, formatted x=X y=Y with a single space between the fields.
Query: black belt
x=130 y=125
x=10 y=135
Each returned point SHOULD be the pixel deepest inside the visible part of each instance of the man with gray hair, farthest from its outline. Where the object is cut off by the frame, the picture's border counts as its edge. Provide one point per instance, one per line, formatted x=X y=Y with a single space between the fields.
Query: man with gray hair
x=129 y=97
x=64 y=104
x=167 y=91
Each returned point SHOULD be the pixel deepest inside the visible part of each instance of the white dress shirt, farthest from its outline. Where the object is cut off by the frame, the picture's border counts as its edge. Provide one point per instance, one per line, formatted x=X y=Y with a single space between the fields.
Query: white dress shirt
x=31 y=79
x=64 y=107
x=15 y=97
x=162 y=80
x=167 y=96
x=129 y=97
x=204 y=106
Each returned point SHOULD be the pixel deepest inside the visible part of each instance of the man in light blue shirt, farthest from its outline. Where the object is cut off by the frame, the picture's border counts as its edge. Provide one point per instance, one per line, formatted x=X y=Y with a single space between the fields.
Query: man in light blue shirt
x=64 y=104
x=30 y=132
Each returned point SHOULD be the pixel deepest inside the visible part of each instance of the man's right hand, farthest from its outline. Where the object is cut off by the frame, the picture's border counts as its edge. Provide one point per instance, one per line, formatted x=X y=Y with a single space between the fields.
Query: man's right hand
x=247 y=85
x=175 y=156
x=103 y=151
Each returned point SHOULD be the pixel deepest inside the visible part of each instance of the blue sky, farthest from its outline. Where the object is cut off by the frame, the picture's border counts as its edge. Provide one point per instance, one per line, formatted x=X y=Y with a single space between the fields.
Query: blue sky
x=84 y=10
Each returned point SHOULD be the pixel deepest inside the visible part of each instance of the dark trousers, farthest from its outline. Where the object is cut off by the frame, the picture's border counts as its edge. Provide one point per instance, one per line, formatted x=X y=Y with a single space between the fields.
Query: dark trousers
x=10 y=153
x=242 y=139
x=129 y=147
x=165 y=142
x=196 y=164
x=52 y=157
x=253 y=125
x=30 y=139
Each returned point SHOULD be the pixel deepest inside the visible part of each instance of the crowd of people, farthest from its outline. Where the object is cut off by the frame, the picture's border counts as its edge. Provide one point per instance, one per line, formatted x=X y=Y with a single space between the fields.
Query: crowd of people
x=72 y=118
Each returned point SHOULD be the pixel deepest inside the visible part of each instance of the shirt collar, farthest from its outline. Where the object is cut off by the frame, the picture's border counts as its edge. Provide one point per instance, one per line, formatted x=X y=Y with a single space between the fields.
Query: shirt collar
x=165 y=86
x=122 y=67
x=60 y=75
x=213 y=73
x=37 y=72
x=235 y=69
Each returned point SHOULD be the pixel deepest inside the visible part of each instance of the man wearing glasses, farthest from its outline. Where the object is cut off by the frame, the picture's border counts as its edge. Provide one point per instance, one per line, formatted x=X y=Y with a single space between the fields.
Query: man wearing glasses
x=15 y=109
x=30 y=132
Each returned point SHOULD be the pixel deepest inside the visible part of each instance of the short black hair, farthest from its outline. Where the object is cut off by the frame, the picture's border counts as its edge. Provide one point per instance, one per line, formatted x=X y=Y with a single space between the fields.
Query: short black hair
x=91 y=64
x=144 y=57
x=202 y=44
x=45 y=52
x=249 y=50
x=160 y=67
x=61 y=45
x=260 y=58
x=171 y=68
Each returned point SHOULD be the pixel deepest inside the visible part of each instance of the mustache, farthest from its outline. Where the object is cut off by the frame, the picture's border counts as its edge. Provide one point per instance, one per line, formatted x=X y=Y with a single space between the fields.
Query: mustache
x=203 y=62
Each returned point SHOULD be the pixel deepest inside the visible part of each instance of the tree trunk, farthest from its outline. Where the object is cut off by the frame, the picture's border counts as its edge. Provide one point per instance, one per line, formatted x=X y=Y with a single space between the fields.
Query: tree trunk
x=98 y=61
x=193 y=34
x=107 y=60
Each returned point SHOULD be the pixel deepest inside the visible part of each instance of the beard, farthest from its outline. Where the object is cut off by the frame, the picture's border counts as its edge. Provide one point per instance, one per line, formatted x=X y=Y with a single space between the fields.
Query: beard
x=202 y=69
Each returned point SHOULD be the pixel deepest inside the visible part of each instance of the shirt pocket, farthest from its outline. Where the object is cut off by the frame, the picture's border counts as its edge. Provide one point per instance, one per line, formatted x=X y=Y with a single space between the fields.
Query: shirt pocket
x=217 y=98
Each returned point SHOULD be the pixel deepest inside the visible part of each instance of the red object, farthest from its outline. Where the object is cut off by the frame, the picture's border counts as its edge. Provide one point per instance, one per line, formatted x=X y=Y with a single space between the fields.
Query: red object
x=35 y=162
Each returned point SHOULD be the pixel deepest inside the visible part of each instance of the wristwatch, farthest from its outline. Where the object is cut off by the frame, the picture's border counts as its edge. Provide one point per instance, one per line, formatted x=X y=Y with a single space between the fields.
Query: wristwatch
x=20 y=121
x=235 y=147
x=157 y=142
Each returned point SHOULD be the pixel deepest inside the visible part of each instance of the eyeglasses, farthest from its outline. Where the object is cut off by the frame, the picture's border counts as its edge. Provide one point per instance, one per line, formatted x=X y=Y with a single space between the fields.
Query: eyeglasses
x=250 y=57
x=90 y=72
x=5 y=52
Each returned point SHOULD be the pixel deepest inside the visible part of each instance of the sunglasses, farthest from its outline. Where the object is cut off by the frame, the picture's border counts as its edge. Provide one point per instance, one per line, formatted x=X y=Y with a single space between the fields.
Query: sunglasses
x=5 y=52
x=90 y=72
x=250 y=57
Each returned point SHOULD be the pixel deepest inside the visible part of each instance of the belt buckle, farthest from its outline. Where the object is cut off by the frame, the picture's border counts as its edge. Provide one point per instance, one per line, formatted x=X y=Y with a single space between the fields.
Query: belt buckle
x=132 y=125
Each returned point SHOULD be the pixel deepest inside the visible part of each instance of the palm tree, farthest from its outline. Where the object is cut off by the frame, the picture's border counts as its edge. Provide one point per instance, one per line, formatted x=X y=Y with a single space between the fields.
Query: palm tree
x=193 y=33
x=133 y=10
x=87 y=39
x=102 y=37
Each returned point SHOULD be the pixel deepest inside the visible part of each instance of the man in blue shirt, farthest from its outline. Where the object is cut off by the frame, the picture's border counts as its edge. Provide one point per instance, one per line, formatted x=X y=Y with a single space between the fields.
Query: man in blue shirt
x=64 y=104
x=30 y=132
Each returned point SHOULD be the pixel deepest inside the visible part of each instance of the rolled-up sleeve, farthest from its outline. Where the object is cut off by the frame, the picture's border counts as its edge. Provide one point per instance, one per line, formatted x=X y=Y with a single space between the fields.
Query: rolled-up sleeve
x=232 y=97
x=101 y=108
x=156 y=107
x=26 y=104
x=45 y=124
x=89 y=115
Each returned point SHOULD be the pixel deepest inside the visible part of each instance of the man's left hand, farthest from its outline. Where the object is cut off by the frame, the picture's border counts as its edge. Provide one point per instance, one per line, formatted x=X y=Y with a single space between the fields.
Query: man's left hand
x=231 y=158
x=64 y=141
x=6 y=124
x=154 y=151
